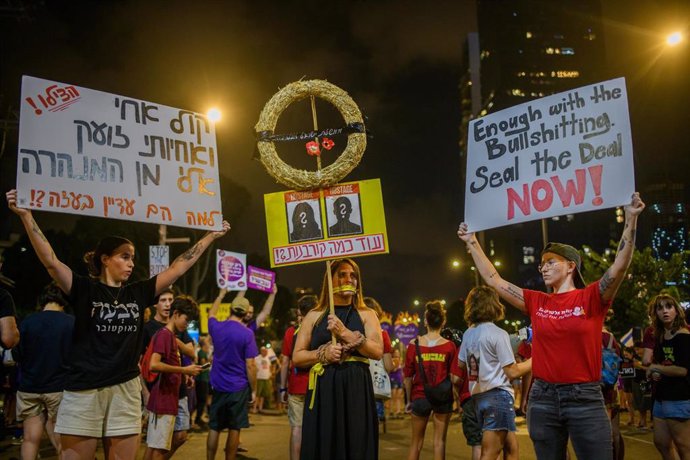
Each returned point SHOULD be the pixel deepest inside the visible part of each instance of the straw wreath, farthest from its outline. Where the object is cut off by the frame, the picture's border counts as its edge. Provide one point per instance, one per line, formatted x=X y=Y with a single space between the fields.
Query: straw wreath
x=300 y=179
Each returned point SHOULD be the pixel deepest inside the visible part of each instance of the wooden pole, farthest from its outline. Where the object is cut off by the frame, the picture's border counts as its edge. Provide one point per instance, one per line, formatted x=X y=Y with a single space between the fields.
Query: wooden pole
x=331 y=303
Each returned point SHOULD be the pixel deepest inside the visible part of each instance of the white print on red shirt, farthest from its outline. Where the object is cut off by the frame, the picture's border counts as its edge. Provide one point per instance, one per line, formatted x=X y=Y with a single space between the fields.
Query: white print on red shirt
x=561 y=314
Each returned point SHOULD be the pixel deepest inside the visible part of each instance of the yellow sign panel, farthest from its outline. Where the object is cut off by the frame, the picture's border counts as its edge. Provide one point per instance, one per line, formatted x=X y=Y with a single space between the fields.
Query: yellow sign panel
x=222 y=315
x=345 y=220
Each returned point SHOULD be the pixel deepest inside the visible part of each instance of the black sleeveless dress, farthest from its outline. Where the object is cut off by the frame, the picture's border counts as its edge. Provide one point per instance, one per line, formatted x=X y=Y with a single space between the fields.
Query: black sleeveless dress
x=342 y=425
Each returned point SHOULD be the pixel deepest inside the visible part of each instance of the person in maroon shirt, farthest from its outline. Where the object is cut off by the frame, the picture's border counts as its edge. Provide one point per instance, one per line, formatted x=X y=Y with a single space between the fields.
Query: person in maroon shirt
x=565 y=401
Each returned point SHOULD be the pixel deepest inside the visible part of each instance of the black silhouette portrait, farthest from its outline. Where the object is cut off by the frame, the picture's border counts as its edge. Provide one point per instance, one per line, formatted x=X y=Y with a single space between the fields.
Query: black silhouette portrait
x=342 y=209
x=304 y=225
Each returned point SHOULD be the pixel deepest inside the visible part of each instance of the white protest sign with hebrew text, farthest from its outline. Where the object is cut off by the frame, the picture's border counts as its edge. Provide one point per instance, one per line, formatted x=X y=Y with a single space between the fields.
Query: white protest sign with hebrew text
x=563 y=154
x=92 y=153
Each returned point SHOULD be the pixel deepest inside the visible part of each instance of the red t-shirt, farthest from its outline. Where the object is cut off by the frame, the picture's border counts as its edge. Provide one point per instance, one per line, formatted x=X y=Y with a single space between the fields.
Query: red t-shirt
x=566 y=345
x=437 y=360
x=298 y=379
x=524 y=350
x=165 y=392
x=648 y=338
x=465 y=386
x=386 y=342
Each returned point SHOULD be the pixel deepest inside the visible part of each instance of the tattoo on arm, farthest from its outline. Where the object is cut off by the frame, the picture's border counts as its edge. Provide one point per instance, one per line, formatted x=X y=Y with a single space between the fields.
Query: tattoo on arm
x=192 y=252
x=37 y=231
x=473 y=243
x=621 y=245
x=606 y=281
x=513 y=292
x=493 y=274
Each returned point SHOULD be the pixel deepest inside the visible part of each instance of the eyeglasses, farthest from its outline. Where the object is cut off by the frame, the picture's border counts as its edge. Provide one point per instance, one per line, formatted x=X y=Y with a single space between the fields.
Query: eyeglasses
x=549 y=265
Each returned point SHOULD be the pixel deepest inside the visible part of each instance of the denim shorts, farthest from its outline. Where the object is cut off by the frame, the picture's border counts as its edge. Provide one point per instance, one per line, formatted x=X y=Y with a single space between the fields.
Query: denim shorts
x=672 y=409
x=495 y=410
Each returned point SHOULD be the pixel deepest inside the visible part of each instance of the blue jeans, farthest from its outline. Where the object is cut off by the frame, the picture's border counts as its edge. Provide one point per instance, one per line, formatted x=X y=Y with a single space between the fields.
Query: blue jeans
x=558 y=411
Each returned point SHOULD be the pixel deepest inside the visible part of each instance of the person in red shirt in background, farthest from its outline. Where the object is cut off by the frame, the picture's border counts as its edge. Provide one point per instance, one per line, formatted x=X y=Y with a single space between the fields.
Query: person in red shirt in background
x=439 y=358
x=565 y=401
x=294 y=381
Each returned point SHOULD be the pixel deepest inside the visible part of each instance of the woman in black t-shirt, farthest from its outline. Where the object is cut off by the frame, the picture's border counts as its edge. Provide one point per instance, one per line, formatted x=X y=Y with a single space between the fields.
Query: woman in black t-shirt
x=670 y=370
x=102 y=394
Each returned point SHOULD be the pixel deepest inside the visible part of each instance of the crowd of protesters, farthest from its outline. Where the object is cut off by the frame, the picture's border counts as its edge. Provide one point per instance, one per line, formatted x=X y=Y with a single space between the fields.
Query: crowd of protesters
x=105 y=373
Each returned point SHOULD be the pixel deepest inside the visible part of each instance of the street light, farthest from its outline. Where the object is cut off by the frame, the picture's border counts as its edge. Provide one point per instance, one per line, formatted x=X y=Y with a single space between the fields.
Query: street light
x=214 y=114
x=416 y=303
x=455 y=263
x=674 y=39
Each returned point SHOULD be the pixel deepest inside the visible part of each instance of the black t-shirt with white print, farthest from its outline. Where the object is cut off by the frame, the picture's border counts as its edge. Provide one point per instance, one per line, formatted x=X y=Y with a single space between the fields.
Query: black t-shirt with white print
x=108 y=335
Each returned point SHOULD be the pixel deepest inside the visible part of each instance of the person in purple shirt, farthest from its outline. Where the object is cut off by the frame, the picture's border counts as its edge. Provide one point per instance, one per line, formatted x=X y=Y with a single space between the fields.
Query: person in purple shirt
x=233 y=375
x=248 y=319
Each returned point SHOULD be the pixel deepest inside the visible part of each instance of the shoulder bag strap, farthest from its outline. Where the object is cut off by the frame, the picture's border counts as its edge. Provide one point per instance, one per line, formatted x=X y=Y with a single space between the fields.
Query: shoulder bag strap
x=419 y=361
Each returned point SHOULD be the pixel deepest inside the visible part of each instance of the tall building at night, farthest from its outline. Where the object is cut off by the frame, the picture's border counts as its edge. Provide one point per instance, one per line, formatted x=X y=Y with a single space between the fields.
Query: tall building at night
x=527 y=49
x=667 y=216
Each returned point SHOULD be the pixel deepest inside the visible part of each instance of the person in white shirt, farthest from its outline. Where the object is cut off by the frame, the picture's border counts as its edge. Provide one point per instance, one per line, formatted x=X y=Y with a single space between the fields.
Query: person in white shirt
x=488 y=357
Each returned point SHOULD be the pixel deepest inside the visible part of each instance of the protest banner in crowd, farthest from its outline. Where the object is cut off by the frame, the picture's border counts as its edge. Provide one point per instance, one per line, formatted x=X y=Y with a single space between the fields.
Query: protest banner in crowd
x=260 y=279
x=231 y=270
x=563 y=154
x=345 y=220
x=159 y=259
x=92 y=153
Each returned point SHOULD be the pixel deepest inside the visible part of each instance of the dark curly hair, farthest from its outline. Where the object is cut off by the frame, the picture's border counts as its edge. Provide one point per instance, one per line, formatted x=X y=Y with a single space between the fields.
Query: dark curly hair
x=106 y=247
x=435 y=314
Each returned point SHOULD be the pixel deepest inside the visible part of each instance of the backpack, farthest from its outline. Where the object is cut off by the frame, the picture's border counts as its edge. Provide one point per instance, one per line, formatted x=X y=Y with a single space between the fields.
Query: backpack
x=145 y=364
x=610 y=363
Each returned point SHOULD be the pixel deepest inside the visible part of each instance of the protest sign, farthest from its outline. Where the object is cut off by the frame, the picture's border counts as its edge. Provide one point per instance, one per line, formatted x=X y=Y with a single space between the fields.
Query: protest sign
x=563 y=154
x=231 y=270
x=92 y=153
x=159 y=259
x=260 y=279
x=345 y=220
x=222 y=314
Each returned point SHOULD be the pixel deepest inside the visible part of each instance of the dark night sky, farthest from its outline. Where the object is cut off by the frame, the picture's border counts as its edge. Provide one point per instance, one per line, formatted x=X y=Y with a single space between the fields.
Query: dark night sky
x=399 y=60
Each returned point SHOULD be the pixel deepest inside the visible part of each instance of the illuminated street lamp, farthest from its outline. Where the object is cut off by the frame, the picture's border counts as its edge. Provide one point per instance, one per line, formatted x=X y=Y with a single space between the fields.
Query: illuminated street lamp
x=674 y=39
x=416 y=303
x=455 y=263
x=214 y=115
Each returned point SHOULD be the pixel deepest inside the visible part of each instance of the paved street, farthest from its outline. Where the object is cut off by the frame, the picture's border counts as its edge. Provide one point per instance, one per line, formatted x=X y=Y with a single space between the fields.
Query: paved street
x=268 y=440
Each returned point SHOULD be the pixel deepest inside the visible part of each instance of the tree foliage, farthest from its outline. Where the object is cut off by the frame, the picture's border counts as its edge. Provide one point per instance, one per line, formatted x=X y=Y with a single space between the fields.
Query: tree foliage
x=646 y=277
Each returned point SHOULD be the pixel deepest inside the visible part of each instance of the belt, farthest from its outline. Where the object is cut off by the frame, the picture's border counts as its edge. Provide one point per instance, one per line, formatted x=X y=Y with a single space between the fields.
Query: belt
x=318 y=369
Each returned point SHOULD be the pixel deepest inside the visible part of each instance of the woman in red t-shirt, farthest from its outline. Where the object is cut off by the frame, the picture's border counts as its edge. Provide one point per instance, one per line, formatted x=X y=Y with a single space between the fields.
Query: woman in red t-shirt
x=565 y=401
x=439 y=359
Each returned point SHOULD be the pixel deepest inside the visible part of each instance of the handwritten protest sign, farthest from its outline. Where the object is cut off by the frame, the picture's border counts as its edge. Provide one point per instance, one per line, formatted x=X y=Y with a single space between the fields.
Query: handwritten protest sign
x=231 y=270
x=341 y=221
x=98 y=154
x=563 y=154
x=260 y=279
x=159 y=259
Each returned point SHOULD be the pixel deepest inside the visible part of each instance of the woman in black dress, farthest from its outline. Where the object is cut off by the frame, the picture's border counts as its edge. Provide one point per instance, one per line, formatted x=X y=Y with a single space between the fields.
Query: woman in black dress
x=340 y=419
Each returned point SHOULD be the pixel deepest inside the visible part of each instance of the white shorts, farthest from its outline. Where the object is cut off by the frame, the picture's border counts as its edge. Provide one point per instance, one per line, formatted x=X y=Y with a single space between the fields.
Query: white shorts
x=160 y=431
x=182 y=419
x=295 y=409
x=103 y=412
